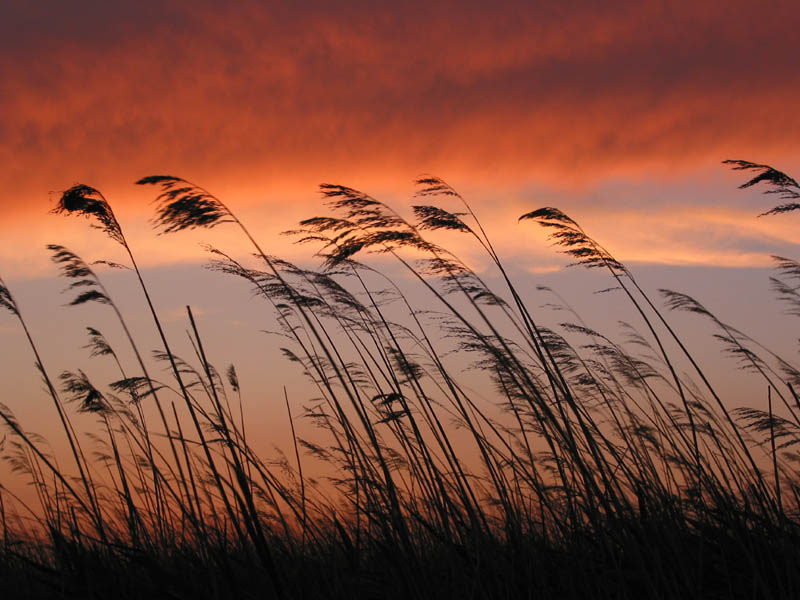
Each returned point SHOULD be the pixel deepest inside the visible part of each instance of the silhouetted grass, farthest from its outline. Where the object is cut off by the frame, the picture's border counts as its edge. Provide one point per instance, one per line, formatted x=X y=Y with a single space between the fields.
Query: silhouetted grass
x=601 y=470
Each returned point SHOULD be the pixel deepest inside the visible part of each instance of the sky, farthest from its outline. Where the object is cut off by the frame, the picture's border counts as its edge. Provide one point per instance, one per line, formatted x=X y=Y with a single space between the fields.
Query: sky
x=623 y=106
x=618 y=112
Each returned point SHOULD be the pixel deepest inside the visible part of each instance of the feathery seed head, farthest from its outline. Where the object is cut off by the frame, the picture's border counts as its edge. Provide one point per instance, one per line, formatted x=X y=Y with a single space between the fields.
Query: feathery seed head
x=183 y=205
x=86 y=201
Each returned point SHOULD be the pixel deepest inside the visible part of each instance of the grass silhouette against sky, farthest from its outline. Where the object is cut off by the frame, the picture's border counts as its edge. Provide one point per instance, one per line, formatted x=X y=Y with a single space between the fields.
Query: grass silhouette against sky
x=407 y=394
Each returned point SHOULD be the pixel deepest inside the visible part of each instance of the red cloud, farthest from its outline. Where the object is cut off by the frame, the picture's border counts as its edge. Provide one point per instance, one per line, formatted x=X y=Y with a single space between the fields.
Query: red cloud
x=559 y=92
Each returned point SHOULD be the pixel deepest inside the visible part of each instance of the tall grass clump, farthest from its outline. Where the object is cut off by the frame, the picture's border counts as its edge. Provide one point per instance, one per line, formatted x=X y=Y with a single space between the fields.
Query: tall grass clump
x=599 y=468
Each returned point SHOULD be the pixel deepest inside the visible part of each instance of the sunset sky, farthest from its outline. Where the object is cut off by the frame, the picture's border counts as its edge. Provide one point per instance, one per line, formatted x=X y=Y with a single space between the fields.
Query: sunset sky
x=617 y=112
x=612 y=107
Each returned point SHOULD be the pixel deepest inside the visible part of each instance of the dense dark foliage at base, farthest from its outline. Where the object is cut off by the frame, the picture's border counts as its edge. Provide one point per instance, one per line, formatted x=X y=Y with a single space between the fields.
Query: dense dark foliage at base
x=635 y=560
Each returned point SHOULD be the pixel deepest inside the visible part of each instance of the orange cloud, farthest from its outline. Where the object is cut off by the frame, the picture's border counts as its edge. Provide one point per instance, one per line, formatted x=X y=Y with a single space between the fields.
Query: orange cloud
x=260 y=102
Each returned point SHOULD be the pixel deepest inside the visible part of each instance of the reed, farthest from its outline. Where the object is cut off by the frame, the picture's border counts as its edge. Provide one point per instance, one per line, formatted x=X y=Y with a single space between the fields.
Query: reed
x=600 y=469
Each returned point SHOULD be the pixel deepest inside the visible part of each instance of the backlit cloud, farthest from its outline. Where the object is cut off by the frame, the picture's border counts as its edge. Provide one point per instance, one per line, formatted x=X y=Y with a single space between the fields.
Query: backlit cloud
x=262 y=101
